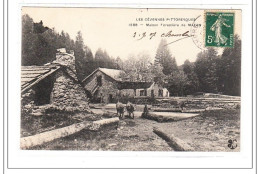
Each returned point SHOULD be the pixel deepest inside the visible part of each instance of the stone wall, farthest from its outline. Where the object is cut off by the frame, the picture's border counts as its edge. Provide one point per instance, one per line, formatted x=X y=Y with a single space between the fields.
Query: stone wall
x=105 y=93
x=27 y=101
x=66 y=59
x=67 y=94
x=108 y=92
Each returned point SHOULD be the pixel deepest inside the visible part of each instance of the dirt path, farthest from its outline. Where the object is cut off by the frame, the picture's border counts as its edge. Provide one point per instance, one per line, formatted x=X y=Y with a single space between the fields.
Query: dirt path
x=210 y=131
x=131 y=135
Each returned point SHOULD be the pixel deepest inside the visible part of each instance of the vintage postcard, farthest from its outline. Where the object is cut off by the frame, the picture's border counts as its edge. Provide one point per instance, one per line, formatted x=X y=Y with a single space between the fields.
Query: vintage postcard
x=126 y=79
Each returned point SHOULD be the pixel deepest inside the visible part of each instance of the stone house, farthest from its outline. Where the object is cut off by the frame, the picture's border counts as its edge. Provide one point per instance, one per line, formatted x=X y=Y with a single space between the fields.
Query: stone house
x=102 y=84
x=106 y=85
x=155 y=90
x=54 y=85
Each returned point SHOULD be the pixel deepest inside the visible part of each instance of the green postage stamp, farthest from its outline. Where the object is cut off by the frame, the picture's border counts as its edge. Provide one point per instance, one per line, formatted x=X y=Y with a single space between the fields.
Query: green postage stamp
x=219 y=29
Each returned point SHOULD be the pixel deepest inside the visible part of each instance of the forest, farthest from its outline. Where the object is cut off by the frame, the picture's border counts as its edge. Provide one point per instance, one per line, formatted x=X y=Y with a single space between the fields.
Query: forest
x=210 y=72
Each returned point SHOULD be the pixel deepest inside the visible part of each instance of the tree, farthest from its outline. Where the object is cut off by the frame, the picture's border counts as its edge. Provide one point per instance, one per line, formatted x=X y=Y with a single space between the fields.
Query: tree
x=62 y=40
x=99 y=58
x=138 y=68
x=38 y=46
x=187 y=67
x=119 y=63
x=80 y=60
x=164 y=57
x=69 y=44
x=90 y=64
x=158 y=75
x=193 y=83
x=28 y=40
x=206 y=70
x=45 y=47
x=229 y=69
x=39 y=43
x=143 y=66
x=177 y=83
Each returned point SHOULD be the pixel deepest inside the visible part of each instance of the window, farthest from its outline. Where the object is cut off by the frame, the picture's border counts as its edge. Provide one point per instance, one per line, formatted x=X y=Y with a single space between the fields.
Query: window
x=160 y=93
x=99 y=80
x=143 y=92
x=152 y=93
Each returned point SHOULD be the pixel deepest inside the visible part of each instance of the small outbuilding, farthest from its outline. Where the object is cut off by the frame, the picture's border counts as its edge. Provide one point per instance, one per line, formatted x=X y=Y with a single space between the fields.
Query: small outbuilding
x=155 y=90
x=54 y=84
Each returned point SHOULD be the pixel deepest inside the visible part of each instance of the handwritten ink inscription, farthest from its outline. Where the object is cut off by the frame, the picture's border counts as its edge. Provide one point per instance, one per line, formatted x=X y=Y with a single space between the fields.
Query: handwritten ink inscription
x=179 y=32
x=169 y=34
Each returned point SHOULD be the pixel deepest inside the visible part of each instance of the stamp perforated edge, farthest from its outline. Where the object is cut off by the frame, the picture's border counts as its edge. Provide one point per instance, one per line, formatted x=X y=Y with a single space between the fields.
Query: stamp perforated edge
x=218 y=11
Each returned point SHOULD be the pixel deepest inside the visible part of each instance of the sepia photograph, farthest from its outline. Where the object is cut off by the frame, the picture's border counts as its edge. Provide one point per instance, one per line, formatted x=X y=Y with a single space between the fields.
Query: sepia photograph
x=130 y=79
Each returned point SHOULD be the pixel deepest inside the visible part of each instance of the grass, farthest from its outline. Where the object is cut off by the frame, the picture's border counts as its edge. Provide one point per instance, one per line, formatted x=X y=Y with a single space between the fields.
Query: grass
x=209 y=132
x=31 y=125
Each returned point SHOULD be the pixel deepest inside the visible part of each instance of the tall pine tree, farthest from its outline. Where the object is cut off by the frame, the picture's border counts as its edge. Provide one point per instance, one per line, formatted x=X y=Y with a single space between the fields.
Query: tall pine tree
x=164 y=57
x=80 y=60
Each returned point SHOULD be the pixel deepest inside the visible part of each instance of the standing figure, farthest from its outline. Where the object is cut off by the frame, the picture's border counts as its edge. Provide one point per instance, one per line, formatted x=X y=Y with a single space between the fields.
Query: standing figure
x=145 y=112
x=217 y=27
x=130 y=109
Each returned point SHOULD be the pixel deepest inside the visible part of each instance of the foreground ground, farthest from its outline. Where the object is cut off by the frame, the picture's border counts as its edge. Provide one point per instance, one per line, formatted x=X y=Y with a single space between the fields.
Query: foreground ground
x=209 y=131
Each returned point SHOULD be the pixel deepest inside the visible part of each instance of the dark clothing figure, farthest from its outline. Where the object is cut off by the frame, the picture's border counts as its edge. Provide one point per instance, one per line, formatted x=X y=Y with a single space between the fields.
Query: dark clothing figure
x=145 y=112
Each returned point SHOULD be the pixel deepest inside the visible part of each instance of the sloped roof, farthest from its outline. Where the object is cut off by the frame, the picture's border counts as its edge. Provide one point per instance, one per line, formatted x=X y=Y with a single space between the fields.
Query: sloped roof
x=115 y=75
x=112 y=73
x=31 y=75
x=153 y=85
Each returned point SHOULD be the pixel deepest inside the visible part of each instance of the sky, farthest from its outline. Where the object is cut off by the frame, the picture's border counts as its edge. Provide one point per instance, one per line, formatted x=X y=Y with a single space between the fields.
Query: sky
x=110 y=30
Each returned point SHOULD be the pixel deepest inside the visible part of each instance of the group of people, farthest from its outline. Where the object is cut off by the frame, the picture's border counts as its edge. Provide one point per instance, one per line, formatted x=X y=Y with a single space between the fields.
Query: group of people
x=130 y=108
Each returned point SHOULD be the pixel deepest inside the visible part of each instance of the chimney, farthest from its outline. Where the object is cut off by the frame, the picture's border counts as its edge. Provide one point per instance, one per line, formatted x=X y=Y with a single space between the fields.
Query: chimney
x=66 y=59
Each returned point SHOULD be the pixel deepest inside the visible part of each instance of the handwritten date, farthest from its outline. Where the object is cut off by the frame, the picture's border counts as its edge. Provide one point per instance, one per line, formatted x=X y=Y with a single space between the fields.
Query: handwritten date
x=150 y=35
